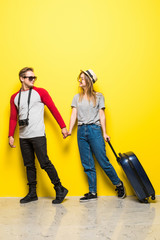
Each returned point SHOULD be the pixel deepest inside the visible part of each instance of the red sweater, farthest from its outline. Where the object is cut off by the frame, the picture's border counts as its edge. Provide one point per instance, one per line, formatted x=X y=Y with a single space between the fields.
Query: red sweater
x=39 y=98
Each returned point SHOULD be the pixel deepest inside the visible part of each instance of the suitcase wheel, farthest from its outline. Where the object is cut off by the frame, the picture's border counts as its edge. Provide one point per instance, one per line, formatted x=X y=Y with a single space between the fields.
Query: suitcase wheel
x=144 y=200
x=153 y=198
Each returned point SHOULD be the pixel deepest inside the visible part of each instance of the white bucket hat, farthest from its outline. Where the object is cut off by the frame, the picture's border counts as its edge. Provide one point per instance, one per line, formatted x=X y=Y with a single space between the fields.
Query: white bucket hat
x=91 y=75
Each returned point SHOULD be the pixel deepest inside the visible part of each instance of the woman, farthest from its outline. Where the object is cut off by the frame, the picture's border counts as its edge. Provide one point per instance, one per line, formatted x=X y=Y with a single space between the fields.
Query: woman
x=88 y=107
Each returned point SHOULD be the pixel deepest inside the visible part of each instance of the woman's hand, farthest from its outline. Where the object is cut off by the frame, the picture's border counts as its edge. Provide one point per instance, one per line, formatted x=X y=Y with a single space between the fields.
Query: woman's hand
x=69 y=133
x=106 y=137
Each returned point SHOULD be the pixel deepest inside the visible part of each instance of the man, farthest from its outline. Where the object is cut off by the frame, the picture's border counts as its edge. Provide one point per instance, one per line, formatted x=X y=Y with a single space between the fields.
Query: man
x=28 y=105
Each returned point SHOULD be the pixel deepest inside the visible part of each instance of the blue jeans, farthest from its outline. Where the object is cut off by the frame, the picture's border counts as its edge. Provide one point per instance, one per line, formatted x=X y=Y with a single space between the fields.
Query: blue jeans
x=90 y=141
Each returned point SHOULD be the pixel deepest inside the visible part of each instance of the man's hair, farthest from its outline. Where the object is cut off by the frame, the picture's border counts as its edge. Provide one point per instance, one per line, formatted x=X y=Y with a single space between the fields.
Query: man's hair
x=24 y=70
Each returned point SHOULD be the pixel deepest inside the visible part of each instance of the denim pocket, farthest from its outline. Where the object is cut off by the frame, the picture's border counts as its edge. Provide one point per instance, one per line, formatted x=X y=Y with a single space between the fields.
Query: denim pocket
x=96 y=127
x=79 y=131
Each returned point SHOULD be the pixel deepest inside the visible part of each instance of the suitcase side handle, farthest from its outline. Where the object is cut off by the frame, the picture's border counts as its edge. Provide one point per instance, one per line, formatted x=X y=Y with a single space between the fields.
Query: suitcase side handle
x=118 y=158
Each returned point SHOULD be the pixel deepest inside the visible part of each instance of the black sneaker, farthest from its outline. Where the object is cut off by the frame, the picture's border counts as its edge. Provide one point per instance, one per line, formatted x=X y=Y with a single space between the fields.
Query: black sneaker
x=61 y=192
x=29 y=198
x=121 y=190
x=88 y=197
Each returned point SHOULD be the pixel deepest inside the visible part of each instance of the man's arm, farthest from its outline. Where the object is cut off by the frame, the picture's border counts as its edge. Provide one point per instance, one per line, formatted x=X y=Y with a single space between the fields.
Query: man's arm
x=12 y=121
x=47 y=100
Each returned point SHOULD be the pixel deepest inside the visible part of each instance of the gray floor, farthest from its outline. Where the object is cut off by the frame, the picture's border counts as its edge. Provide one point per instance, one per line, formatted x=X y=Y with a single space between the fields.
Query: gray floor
x=104 y=219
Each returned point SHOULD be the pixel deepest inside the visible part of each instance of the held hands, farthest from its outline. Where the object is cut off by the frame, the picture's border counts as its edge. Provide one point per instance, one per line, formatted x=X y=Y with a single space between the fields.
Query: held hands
x=65 y=133
x=11 y=142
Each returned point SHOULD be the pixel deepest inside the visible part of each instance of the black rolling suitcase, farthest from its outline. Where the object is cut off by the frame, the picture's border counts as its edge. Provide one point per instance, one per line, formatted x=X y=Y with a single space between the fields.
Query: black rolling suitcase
x=136 y=175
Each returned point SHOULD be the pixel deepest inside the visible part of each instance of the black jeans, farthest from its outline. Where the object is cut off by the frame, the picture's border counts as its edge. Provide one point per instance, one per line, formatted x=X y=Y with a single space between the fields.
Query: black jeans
x=38 y=146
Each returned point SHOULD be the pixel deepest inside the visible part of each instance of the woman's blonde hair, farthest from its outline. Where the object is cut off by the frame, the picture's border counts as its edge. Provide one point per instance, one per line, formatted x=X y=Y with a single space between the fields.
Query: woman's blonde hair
x=91 y=94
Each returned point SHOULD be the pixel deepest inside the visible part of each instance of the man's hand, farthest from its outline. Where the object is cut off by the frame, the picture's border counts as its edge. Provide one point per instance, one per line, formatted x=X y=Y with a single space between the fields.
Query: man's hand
x=64 y=132
x=11 y=142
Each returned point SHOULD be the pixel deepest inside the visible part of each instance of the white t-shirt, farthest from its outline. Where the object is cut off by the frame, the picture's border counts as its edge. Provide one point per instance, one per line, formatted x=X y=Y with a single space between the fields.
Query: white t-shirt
x=36 y=127
x=87 y=113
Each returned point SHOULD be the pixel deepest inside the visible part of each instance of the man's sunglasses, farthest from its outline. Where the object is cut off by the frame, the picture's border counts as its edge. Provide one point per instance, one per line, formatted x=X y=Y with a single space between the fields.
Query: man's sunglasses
x=31 y=78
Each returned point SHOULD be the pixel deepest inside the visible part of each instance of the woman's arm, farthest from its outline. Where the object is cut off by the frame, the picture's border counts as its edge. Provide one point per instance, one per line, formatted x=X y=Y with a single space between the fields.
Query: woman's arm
x=103 y=124
x=72 y=120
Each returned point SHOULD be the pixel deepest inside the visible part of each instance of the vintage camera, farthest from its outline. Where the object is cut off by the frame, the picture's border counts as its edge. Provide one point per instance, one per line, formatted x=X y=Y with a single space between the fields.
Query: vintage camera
x=23 y=122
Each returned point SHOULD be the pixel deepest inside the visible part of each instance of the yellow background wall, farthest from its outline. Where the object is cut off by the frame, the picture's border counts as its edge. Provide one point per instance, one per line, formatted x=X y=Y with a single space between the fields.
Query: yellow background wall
x=119 y=40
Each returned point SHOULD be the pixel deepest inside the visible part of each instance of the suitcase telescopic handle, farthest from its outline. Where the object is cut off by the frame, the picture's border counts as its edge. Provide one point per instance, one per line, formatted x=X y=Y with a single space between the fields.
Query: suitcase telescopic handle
x=118 y=158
